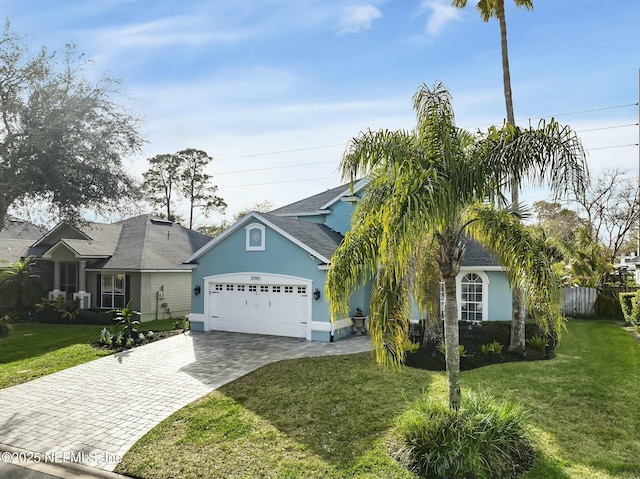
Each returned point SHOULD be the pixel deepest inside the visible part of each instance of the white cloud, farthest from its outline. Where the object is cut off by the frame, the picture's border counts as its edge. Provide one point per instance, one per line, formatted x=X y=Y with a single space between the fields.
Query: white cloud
x=439 y=14
x=359 y=18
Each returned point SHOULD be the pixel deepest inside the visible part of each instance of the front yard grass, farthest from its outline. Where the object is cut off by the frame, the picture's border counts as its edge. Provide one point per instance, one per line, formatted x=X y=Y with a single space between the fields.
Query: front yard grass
x=329 y=417
x=33 y=350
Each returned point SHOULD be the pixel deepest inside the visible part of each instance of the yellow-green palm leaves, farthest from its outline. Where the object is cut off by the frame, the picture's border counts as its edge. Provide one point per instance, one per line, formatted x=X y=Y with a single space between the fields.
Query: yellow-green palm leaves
x=427 y=189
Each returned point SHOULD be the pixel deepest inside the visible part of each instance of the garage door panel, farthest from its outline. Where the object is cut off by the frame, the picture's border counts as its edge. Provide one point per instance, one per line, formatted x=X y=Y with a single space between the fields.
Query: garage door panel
x=280 y=310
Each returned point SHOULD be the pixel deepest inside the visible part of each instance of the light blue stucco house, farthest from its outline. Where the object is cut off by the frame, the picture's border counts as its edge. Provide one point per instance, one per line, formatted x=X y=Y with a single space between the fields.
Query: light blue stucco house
x=266 y=273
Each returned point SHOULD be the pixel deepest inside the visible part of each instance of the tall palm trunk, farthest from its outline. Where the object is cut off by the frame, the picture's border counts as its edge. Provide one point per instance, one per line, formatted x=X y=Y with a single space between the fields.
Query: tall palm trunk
x=451 y=341
x=449 y=265
x=517 y=319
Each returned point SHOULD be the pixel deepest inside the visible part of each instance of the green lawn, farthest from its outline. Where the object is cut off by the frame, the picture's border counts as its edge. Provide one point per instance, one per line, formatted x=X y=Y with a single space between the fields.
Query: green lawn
x=34 y=350
x=329 y=417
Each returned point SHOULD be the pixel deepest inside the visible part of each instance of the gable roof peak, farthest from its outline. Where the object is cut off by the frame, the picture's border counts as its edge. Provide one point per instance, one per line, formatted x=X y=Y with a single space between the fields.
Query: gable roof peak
x=320 y=202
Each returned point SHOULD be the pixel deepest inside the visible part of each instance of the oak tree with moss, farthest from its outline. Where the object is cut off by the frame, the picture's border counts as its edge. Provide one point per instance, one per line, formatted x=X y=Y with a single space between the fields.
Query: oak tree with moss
x=63 y=137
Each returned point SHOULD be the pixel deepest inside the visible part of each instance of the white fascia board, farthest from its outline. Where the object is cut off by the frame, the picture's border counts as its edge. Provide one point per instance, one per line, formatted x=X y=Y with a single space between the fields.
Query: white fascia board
x=482 y=268
x=238 y=224
x=140 y=270
x=57 y=227
x=292 y=239
x=48 y=254
x=356 y=187
x=219 y=238
x=306 y=213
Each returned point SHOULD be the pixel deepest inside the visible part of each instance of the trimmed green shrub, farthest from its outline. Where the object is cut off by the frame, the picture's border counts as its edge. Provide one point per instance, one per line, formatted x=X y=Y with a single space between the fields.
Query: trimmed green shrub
x=630 y=304
x=484 y=439
x=90 y=316
x=608 y=307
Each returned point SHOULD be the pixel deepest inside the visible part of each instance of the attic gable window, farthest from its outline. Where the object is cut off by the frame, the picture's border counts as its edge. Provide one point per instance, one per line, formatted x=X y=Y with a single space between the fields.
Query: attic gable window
x=255 y=237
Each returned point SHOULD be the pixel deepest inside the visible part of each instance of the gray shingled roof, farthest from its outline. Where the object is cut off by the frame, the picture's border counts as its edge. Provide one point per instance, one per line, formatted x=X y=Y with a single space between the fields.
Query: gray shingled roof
x=316 y=236
x=138 y=243
x=19 y=229
x=146 y=243
x=15 y=239
x=476 y=255
x=313 y=203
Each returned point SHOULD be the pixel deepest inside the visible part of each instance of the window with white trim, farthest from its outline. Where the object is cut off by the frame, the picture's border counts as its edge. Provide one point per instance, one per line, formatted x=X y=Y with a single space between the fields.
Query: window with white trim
x=471 y=289
x=113 y=287
x=255 y=237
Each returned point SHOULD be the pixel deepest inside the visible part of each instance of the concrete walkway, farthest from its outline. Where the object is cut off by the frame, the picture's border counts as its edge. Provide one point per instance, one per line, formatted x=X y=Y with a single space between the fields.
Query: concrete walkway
x=93 y=413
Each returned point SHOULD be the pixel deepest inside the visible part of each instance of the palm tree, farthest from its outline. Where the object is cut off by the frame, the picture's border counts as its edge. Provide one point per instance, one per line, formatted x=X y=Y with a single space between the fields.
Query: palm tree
x=20 y=286
x=427 y=189
x=495 y=9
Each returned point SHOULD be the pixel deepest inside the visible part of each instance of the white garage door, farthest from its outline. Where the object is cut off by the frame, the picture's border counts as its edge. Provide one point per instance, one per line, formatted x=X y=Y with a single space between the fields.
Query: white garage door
x=276 y=309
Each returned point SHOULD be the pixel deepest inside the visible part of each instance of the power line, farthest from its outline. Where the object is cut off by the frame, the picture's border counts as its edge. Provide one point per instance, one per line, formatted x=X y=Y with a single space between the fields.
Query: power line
x=279 y=182
x=584 y=111
x=608 y=127
x=275 y=167
x=280 y=152
x=592 y=110
x=611 y=147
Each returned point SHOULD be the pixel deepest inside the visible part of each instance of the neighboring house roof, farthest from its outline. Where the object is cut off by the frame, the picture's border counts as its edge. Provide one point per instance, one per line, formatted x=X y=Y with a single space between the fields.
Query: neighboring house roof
x=135 y=244
x=319 y=204
x=148 y=243
x=15 y=238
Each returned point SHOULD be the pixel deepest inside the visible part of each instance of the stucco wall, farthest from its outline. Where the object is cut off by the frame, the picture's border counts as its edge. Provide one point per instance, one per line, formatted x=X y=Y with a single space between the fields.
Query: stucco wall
x=340 y=217
x=279 y=257
x=499 y=296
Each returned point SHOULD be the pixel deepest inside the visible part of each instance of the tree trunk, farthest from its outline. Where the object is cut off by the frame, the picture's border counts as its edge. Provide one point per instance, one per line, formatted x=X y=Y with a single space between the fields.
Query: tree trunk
x=449 y=255
x=506 y=74
x=451 y=341
x=517 y=319
x=517 y=323
x=3 y=214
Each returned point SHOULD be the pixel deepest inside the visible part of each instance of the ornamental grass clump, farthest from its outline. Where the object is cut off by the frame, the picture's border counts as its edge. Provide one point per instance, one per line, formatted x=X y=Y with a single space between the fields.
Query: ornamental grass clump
x=484 y=439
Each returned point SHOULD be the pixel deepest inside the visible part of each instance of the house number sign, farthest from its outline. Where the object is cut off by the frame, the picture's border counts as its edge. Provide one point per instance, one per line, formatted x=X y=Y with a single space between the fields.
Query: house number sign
x=255 y=278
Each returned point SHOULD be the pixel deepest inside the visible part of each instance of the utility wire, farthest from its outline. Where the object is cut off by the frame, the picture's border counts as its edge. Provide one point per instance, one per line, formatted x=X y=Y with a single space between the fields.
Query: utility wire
x=592 y=110
x=275 y=167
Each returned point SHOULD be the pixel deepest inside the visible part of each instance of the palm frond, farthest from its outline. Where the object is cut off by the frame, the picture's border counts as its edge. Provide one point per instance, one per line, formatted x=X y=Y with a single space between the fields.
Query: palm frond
x=371 y=149
x=550 y=154
x=526 y=257
x=389 y=318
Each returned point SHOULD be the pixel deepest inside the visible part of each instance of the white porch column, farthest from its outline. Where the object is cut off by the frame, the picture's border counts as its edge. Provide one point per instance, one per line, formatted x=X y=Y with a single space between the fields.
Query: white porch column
x=82 y=276
x=56 y=275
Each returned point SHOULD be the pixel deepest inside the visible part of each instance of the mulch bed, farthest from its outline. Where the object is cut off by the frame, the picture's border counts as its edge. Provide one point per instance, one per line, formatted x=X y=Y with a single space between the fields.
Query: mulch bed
x=157 y=335
x=472 y=337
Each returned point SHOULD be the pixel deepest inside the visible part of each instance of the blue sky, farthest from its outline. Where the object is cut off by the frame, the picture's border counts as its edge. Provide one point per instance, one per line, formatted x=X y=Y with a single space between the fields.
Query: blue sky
x=242 y=79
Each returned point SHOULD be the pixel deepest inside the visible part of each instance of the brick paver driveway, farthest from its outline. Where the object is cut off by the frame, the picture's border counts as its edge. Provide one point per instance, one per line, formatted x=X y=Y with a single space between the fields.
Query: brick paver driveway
x=93 y=413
